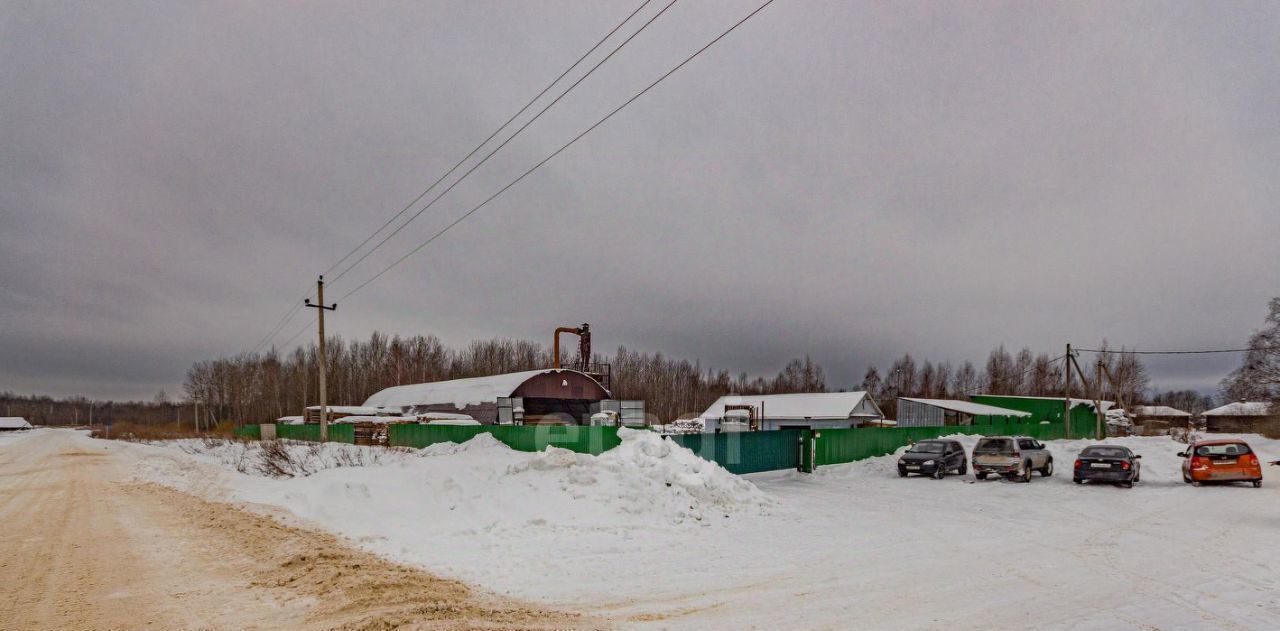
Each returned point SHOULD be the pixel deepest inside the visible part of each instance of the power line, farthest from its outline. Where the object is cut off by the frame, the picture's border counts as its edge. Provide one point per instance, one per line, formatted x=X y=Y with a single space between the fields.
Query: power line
x=558 y=151
x=275 y=330
x=486 y=140
x=297 y=305
x=504 y=143
x=1199 y=352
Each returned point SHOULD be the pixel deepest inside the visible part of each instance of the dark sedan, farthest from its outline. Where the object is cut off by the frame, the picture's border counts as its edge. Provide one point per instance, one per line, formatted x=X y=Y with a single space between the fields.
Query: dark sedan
x=934 y=458
x=1107 y=463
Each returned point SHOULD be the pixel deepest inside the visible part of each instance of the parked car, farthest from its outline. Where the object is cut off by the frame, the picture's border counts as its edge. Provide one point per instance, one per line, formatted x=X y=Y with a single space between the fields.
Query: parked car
x=1013 y=457
x=934 y=458
x=1107 y=463
x=1224 y=460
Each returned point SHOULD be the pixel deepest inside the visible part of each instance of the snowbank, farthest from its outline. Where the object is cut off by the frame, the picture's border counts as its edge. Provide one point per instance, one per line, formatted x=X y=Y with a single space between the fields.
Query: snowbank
x=282 y=458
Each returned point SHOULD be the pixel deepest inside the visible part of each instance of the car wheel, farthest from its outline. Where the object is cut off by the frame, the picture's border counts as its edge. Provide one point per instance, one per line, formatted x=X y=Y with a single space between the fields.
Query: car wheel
x=1026 y=472
x=980 y=475
x=1048 y=469
x=1077 y=480
x=940 y=472
x=902 y=473
x=1137 y=477
x=964 y=468
x=1195 y=483
x=1186 y=479
x=1127 y=485
x=1257 y=484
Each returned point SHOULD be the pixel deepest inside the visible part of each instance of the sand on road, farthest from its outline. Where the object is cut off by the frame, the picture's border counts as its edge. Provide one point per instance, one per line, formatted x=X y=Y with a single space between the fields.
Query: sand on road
x=83 y=547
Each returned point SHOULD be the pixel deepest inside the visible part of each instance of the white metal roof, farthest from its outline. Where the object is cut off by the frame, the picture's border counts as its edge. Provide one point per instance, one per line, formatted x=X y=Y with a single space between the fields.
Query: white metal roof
x=14 y=422
x=798 y=406
x=458 y=392
x=967 y=407
x=1241 y=408
x=1158 y=410
x=1106 y=405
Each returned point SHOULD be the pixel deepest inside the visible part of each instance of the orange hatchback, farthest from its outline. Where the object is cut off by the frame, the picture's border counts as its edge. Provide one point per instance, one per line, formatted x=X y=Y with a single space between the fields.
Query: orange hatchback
x=1221 y=461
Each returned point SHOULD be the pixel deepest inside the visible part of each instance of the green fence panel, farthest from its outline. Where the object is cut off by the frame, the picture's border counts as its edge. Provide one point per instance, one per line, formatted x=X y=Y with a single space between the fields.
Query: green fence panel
x=252 y=432
x=836 y=446
x=748 y=452
x=338 y=432
x=582 y=439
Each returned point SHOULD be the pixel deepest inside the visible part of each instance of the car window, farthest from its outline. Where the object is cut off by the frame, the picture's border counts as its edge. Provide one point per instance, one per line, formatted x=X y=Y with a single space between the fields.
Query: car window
x=994 y=446
x=1232 y=449
x=1105 y=452
x=928 y=447
x=1027 y=443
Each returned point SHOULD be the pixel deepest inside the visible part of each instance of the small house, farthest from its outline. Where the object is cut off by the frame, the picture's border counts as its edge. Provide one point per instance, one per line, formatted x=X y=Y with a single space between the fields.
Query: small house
x=1156 y=420
x=13 y=424
x=1238 y=417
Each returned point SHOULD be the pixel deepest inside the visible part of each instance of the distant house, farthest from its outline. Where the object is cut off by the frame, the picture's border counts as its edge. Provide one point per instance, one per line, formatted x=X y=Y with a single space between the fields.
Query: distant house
x=913 y=412
x=815 y=410
x=13 y=424
x=1238 y=417
x=1158 y=419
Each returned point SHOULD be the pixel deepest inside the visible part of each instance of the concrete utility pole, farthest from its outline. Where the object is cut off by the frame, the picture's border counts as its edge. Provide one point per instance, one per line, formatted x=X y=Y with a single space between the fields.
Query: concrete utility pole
x=324 y=407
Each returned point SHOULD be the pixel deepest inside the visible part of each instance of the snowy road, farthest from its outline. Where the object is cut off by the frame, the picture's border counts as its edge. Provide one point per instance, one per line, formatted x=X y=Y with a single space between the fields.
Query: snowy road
x=83 y=548
x=852 y=545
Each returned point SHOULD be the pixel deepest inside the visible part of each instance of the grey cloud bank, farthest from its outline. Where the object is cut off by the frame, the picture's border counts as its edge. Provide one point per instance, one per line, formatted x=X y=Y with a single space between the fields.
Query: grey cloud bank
x=846 y=180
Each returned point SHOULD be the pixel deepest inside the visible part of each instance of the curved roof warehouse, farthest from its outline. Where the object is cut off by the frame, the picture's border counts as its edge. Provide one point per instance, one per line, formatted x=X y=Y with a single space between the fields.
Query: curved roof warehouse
x=541 y=396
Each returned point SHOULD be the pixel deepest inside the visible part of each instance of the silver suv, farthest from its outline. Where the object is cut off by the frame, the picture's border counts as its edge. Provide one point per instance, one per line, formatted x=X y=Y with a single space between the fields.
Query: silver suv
x=1013 y=457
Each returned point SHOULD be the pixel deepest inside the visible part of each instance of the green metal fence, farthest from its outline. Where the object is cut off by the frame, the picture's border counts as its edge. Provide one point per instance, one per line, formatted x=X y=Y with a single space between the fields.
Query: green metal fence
x=835 y=446
x=252 y=432
x=749 y=452
x=338 y=432
x=582 y=439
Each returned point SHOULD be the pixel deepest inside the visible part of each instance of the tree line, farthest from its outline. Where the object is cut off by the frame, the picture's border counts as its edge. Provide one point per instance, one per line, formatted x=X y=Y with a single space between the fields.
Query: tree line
x=1023 y=373
x=253 y=388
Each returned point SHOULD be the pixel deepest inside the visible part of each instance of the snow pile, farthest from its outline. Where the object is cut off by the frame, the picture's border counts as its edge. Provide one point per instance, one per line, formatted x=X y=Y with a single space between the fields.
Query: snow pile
x=649 y=474
x=478 y=442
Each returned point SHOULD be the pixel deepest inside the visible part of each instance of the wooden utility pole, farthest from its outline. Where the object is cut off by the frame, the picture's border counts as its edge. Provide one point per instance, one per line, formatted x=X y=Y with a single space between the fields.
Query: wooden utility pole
x=1097 y=398
x=324 y=407
x=1066 y=393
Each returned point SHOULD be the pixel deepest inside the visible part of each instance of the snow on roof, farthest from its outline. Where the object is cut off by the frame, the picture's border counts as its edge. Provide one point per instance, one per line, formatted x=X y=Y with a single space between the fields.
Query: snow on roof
x=443 y=416
x=1241 y=408
x=1106 y=405
x=14 y=422
x=350 y=420
x=459 y=392
x=968 y=407
x=797 y=406
x=363 y=410
x=1157 y=410
x=290 y=419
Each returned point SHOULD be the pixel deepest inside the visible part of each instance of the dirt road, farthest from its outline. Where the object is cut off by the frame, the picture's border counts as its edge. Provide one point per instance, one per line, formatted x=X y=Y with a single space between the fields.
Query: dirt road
x=81 y=547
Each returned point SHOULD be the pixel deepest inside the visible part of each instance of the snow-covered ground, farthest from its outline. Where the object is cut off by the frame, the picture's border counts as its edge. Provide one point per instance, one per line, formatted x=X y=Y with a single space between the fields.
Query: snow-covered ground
x=656 y=538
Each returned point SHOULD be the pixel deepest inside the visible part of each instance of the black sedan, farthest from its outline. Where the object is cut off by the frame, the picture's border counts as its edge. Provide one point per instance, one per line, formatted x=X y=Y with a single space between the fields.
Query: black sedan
x=934 y=458
x=1107 y=463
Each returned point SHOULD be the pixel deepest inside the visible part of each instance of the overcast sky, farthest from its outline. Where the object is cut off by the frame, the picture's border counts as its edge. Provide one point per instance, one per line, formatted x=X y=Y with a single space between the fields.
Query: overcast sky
x=846 y=180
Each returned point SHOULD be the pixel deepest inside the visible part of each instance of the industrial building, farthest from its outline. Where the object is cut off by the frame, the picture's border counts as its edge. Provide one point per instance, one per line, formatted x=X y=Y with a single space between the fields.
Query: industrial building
x=1238 y=417
x=913 y=412
x=1044 y=409
x=815 y=410
x=552 y=396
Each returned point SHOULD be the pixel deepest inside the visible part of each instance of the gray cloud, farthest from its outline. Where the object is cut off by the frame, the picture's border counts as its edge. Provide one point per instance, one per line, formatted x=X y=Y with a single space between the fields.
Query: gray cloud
x=851 y=181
